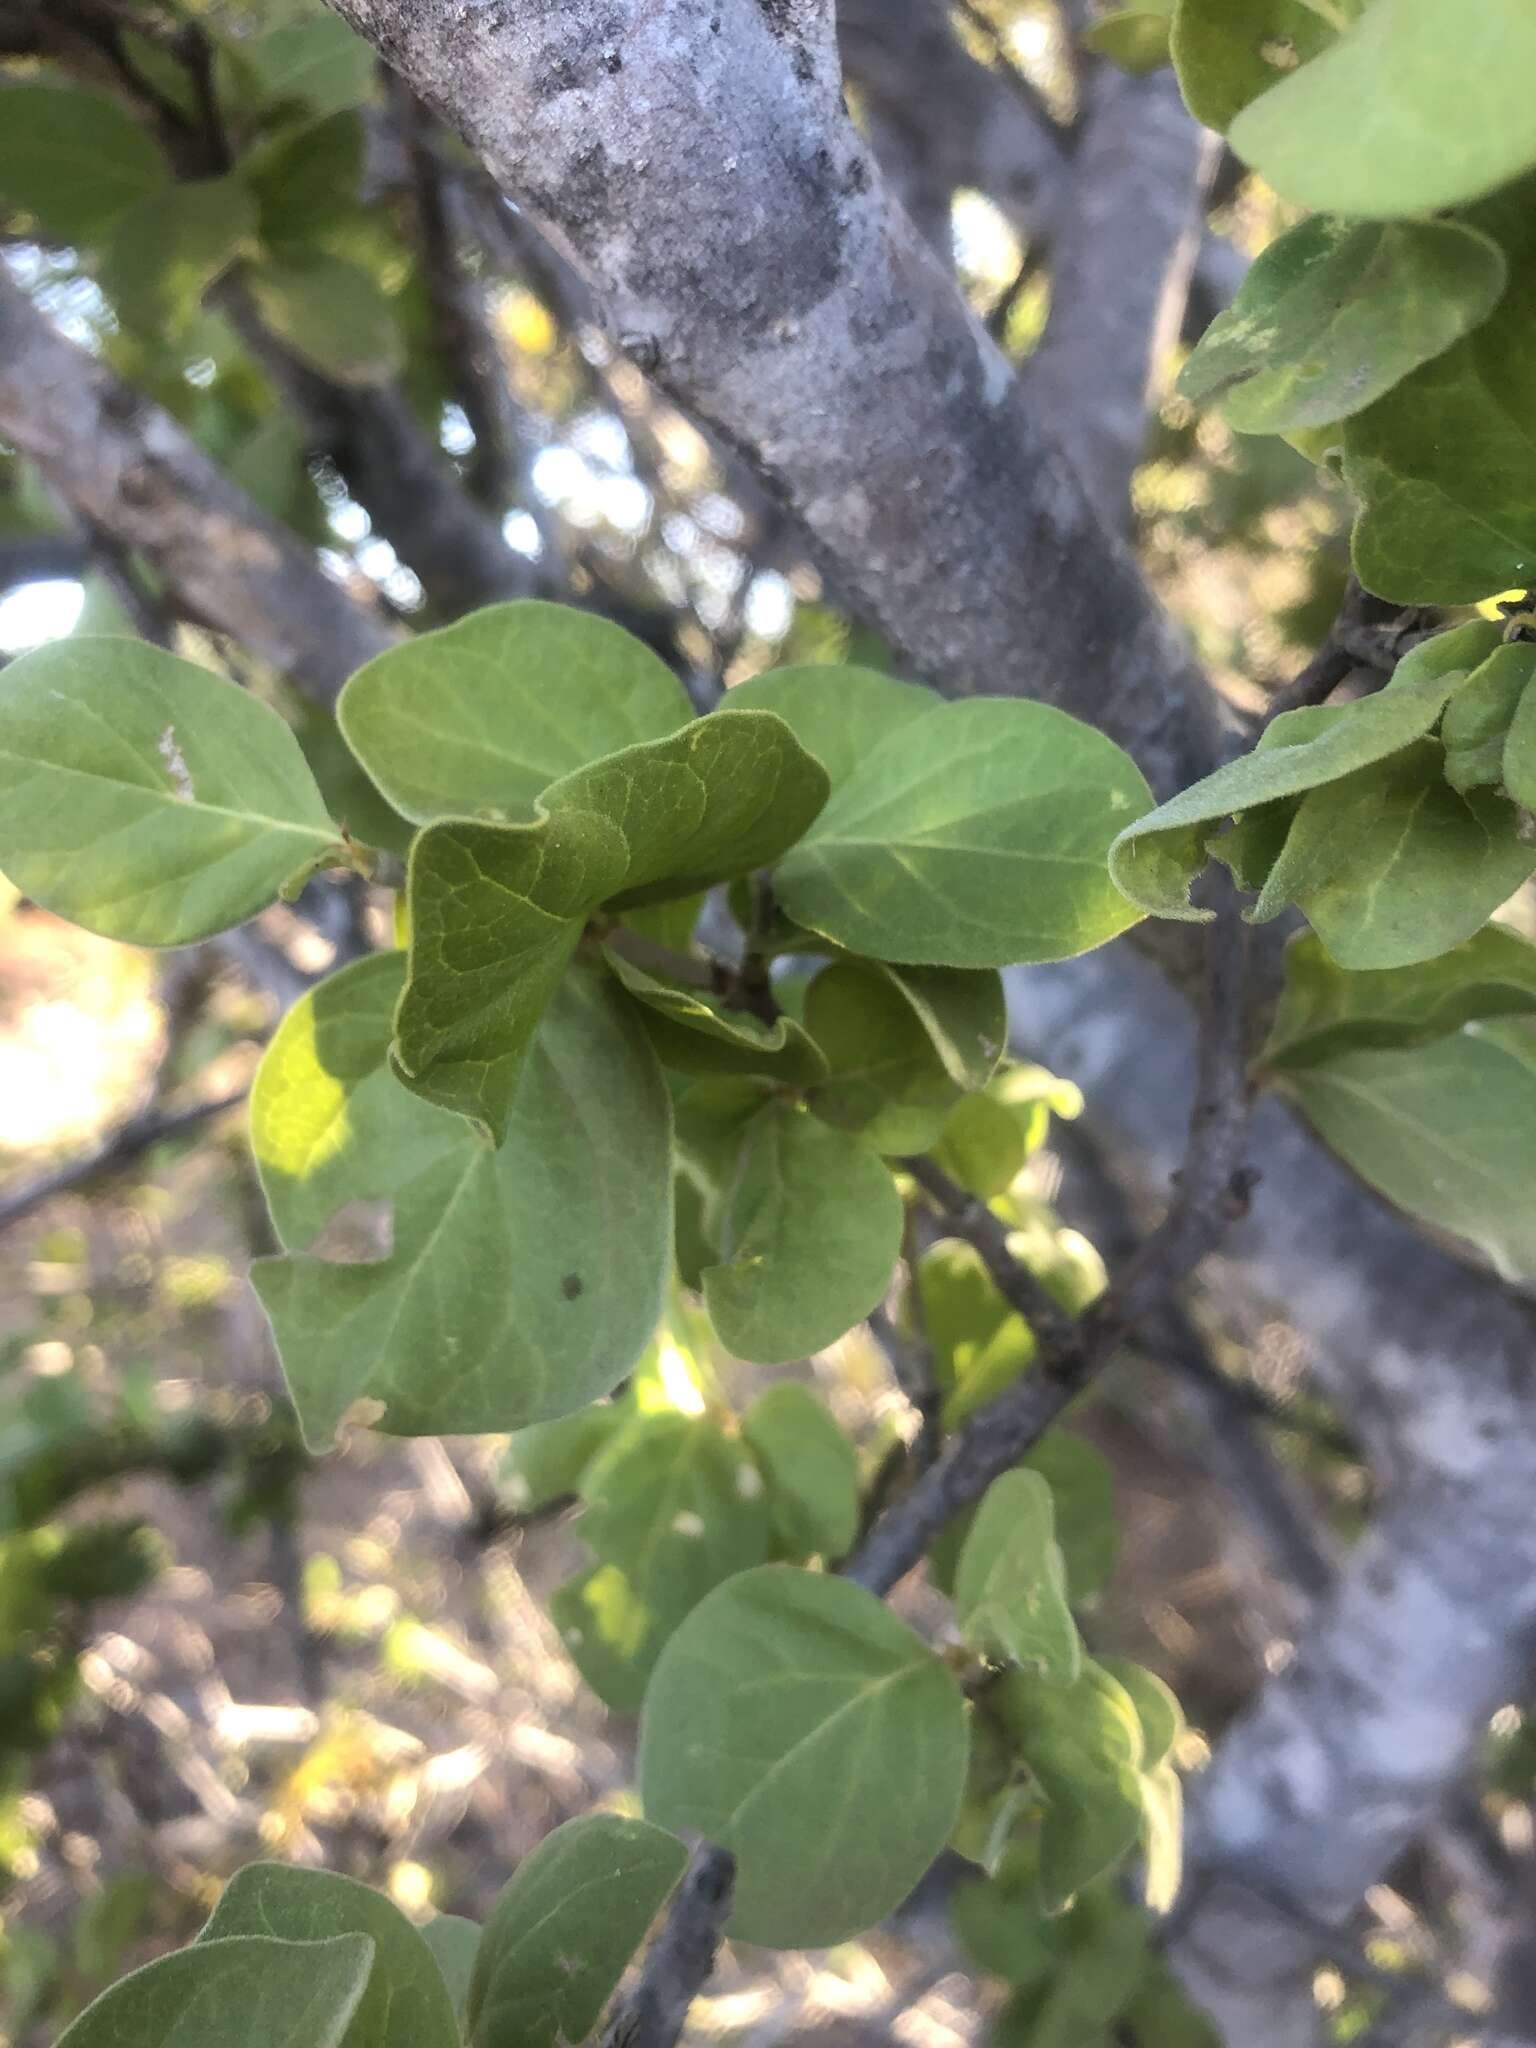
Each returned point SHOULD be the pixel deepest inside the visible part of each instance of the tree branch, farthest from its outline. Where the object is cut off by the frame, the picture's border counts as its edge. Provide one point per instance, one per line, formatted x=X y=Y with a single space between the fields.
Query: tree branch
x=678 y=1962
x=125 y=467
x=120 y=1148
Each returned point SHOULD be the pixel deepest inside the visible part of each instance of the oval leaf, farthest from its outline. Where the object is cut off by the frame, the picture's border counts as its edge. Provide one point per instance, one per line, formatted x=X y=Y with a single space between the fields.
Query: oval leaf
x=1227 y=52
x=1011 y=1583
x=252 y=1993
x=564 y=1928
x=147 y=798
x=479 y=718
x=972 y=838
x=780 y=1716
x=887 y=1081
x=813 y=1473
x=572 y=1216
x=74 y=160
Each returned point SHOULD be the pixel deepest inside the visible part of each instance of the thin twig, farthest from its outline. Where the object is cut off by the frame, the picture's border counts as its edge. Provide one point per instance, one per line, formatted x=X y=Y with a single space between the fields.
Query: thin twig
x=117 y=1150
x=1367 y=633
x=679 y=1960
x=987 y=1234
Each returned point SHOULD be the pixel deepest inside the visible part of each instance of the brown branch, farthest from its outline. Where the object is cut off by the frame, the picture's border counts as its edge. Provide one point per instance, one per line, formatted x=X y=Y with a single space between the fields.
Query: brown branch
x=679 y=1960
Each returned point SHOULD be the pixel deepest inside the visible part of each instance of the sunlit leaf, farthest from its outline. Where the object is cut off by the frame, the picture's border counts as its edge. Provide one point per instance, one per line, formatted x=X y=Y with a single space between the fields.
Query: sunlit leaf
x=572 y=1217
x=564 y=1928
x=773 y=1725
x=970 y=838
x=147 y=798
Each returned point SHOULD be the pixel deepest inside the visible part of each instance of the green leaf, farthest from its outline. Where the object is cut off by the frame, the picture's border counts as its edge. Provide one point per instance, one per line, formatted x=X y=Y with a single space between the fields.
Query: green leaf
x=407 y=2003
x=1083 y=1744
x=497 y=910
x=810 y=1233
x=1415 y=108
x=1325 y=1010
x=1335 y=313
x=1158 y=1711
x=1157 y=858
x=454 y=1943
x=674 y=1507
x=982 y=1146
x=999 y=1922
x=887 y=1081
x=1391 y=866
x=168 y=248
x=1160 y=2016
x=571 y=1216
x=693 y=1035
x=303 y=179
x=545 y=1462
x=146 y=798
x=836 y=713
x=1447 y=1131
x=978 y=1343
x=1227 y=52
x=1442 y=465
x=971 y=838
x=1011 y=1584
x=964 y=1013
x=331 y=312
x=813 y=1474
x=1135 y=38
x=479 y=718
x=564 y=1928
x=243 y=1994
x=1520 y=751
x=74 y=160
x=1083 y=1490
x=316 y=60
x=1478 y=719
x=773 y=1725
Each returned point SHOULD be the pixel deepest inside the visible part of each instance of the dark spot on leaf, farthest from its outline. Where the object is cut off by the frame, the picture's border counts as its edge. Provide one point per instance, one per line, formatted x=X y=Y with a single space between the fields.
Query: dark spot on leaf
x=571 y=1286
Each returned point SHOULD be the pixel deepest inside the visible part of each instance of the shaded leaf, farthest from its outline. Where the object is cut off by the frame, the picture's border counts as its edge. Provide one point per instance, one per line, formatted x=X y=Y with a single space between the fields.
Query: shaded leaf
x=147 y=798
x=1083 y=1744
x=979 y=1345
x=1083 y=1490
x=1135 y=38
x=970 y=838
x=572 y=1216
x=545 y=1462
x=1478 y=719
x=303 y=179
x=331 y=312
x=1227 y=52
x=477 y=719
x=562 y=1932
x=809 y=1234
x=316 y=59
x=168 y=248
x=253 y=1993
x=1447 y=1131
x=886 y=1081
x=1336 y=312
x=453 y=1942
x=1414 y=108
x=812 y=1472
x=965 y=1014
x=770 y=1727
x=497 y=910
x=75 y=160
x=1520 y=752
x=1011 y=1583
x=693 y=1035
x=407 y=2003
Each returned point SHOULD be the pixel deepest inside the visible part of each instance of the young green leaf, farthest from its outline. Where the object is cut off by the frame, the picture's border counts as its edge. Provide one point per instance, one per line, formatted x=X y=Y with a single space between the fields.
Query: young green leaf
x=477 y=719
x=1135 y=38
x=1442 y=465
x=147 y=798
x=972 y=838
x=982 y=1146
x=1155 y=860
x=1336 y=312
x=809 y=1235
x=564 y=1928
x=74 y=160
x=497 y=910
x=1416 y=107
x=169 y=247
x=454 y=1943
x=249 y=1993
x=1391 y=866
x=1083 y=1744
x=978 y=1343
x=1476 y=726
x=693 y=1035
x=572 y=1216
x=674 y=1507
x=1011 y=1583
x=839 y=714
x=812 y=1472
x=331 y=312
x=1227 y=52
x=887 y=1081
x=1447 y=1131
x=783 y=1716
x=407 y=2003
x=965 y=1013
x=1325 y=1010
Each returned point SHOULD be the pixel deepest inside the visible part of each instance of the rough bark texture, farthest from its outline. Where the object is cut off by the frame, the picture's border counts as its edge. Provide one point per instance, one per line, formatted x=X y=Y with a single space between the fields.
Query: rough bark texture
x=698 y=167
x=125 y=466
x=1348 y=1754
